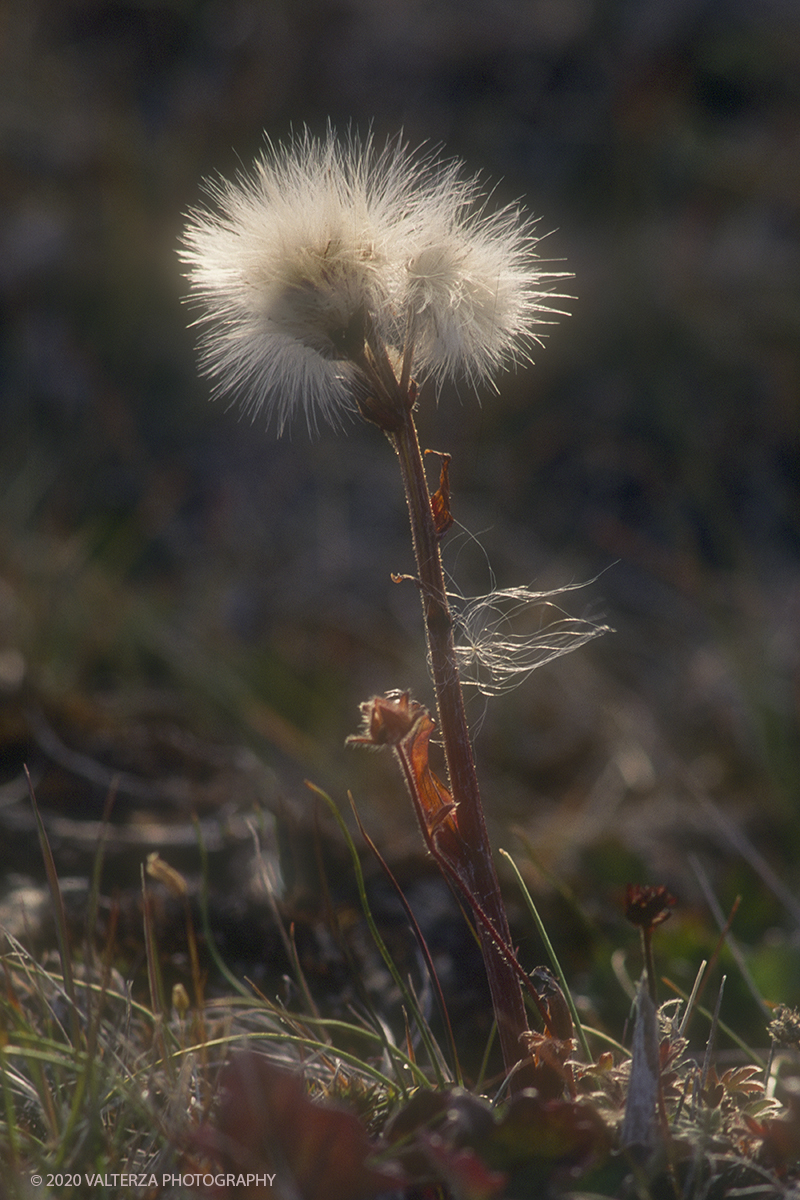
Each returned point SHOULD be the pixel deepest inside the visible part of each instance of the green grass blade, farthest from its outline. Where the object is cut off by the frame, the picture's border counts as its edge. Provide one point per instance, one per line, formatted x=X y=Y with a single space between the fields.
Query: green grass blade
x=409 y=1000
x=211 y=945
x=60 y=916
x=548 y=945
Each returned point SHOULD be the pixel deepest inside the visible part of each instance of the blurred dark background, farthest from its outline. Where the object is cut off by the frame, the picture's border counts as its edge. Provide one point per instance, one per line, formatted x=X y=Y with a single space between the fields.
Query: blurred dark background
x=158 y=555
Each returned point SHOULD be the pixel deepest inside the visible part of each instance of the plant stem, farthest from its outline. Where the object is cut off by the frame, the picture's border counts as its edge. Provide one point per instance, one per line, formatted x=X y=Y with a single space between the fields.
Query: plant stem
x=477 y=858
x=649 y=962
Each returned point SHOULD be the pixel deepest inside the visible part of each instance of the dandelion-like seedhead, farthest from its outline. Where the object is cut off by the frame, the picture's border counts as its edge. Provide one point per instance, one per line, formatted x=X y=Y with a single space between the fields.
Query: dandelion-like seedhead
x=332 y=263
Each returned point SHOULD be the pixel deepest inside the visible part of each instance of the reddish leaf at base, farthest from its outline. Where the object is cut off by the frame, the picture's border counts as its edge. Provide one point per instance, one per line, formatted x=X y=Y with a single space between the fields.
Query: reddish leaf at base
x=466 y=1173
x=780 y=1147
x=268 y=1124
x=560 y=1133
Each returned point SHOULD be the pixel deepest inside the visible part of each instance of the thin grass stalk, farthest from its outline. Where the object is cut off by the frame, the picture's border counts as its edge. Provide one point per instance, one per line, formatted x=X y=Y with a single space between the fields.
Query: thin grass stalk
x=154 y=980
x=551 y=954
x=205 y=922
x=333 y=921
x=198 y=1023
x=28 y=1037
x=287 y=938
x=81 y=1078
x=60 y=916
x=194 y=957
x=591 y=927
x=724 y=925
x=741 y=842
x=95 y=1005
x=323 y=1048
x=298 y=1022
x=409 y=999
x=421 y=942
x=487 y=1050
x=694 y=996
x=94 y=1012
x=94 y=887
x=35 y=1058
x=752 y=1054
x=9 y=1110
x=712 y=1036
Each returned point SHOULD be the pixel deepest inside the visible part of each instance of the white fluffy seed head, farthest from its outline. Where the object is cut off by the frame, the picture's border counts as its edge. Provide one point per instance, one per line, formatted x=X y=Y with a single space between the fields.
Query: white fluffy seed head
x=476 y=288
x=285 y=266
x=327 y=244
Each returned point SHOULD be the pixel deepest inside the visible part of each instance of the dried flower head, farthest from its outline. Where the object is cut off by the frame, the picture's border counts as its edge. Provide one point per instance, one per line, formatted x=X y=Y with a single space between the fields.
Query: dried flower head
x=648 y=906
x=387 y=720
x=333 y=267
x=784 y=1028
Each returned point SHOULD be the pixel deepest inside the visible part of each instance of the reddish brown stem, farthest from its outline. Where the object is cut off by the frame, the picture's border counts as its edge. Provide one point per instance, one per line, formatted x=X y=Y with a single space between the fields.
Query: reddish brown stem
x=451 y=870
x=478 y=863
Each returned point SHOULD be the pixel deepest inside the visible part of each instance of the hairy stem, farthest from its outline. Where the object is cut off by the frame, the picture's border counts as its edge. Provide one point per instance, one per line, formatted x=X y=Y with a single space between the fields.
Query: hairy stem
x=477 y=860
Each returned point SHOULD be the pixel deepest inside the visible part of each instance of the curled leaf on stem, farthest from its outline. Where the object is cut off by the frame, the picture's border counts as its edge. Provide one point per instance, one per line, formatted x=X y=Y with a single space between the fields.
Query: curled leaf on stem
x=406 y=725
x=440 y=500
x=387 y=720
